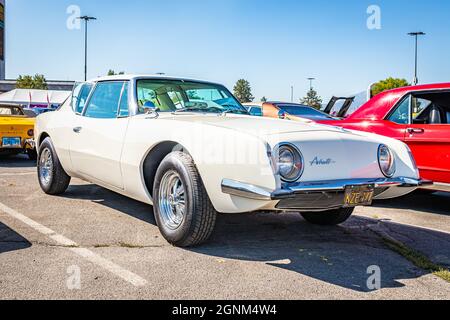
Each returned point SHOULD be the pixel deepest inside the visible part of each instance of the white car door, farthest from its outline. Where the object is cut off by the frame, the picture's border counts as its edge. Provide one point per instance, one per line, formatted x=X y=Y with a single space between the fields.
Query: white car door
x=98 y=134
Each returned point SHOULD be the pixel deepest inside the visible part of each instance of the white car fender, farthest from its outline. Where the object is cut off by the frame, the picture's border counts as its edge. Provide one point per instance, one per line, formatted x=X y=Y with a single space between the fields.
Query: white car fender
x=218 y=153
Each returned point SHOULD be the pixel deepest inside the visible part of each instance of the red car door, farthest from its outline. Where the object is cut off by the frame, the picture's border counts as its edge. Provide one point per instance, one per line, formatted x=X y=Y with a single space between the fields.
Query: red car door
x=430 y=144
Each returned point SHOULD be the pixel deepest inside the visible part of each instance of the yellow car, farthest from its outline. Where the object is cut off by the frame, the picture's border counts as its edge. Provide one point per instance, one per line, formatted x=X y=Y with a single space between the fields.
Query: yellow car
x=16 y=132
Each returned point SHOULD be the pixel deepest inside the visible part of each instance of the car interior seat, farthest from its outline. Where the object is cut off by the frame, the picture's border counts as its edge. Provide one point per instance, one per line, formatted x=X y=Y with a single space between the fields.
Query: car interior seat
x=435 y=115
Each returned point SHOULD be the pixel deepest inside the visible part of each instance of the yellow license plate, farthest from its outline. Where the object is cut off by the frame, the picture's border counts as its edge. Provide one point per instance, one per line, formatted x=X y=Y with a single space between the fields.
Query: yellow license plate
x=358 y=196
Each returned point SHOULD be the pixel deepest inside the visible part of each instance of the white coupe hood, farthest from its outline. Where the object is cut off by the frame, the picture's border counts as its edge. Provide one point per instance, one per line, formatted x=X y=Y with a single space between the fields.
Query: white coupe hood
x=255 y=125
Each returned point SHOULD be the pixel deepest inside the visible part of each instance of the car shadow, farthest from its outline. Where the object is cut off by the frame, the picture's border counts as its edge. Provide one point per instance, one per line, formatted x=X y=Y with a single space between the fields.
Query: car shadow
x=18 y=161
x=11 y=240
x=436 y=203
x=111 y=200
x=341 y=255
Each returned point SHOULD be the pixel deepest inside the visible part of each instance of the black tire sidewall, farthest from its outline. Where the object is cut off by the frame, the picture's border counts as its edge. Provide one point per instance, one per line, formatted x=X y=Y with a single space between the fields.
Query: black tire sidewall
x=171 y=162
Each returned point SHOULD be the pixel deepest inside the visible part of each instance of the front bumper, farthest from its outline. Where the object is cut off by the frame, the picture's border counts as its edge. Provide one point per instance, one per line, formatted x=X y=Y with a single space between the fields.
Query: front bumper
x=315 y=195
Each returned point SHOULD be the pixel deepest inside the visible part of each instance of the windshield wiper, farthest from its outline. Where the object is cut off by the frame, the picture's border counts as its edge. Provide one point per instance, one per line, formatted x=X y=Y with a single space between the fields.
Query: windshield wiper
x=187 y=109
x=212 y=109
x=231 y=110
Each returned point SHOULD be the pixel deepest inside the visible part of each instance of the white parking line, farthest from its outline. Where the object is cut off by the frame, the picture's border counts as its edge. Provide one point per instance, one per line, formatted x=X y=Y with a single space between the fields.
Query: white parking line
x=14 y=174
x=94 y=258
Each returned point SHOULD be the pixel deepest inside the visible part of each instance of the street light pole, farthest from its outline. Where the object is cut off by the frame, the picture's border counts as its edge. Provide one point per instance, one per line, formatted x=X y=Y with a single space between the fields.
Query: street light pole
x=311 y=82
x=86 y=20
x=416 y=36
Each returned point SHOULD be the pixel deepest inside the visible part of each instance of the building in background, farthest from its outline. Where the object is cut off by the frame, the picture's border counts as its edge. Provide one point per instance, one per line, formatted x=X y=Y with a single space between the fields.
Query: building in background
x=57 y=85
x=2 y=39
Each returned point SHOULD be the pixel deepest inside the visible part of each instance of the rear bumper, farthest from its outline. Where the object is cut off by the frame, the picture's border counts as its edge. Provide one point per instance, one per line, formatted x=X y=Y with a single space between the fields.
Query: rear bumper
x=315 y=195
x=30 y=144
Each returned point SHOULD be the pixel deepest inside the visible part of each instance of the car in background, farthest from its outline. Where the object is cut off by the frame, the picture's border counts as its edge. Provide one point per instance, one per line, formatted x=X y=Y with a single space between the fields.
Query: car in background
x=190 y=149
x=16 y=131
x=38 y=110
x=416 y=115
x=287 y=111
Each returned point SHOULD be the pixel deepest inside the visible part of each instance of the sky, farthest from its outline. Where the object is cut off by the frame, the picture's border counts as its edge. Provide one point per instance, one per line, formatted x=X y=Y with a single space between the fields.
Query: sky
x=272 y=44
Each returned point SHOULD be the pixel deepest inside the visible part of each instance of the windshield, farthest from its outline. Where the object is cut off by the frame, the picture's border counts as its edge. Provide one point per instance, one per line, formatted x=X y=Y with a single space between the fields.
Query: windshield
x=180 y=96
x=304 y=111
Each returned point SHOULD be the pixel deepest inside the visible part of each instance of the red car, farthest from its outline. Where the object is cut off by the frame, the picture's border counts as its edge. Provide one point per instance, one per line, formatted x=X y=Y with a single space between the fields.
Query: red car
x=419 y=116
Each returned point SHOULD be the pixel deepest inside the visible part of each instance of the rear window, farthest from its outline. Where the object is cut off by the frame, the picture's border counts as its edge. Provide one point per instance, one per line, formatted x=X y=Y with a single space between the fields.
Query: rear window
x=10 y=111
x=303 y=111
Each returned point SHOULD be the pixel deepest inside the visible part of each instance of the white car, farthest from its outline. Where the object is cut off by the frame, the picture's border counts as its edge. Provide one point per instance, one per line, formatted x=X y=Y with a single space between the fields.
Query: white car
x=190 y=149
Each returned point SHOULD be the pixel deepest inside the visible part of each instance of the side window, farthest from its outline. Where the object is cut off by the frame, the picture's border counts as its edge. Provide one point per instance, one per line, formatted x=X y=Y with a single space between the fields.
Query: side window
x=104 y=102
x=123 y=106
x=79 y=96
x=402 y=114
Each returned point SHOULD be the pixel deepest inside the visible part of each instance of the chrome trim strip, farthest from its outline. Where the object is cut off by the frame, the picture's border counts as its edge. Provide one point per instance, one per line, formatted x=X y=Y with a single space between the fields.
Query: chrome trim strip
x=243 y=190
x=249 y=191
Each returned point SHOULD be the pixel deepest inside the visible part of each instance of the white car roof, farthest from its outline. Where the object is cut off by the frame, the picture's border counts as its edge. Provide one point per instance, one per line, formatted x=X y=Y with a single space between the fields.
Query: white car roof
x=127 y=77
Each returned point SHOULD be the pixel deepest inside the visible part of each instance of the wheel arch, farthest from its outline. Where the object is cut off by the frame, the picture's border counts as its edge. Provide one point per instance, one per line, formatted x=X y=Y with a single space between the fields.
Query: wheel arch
x=44 y=135
x=153 y=159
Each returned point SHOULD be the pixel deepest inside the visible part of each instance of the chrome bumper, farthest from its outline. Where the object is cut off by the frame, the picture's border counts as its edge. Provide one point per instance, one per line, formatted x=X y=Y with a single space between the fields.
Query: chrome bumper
x=249 y=191
x=31 y=143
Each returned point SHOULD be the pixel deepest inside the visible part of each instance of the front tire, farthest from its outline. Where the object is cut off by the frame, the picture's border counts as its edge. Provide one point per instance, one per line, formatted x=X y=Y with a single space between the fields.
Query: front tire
x=328 y=218
x=52 y=177
x=183 y=211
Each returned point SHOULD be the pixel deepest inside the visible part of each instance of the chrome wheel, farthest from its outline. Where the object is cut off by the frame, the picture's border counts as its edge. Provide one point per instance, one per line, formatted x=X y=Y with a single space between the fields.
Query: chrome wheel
x=172 y=200
x=46 y=166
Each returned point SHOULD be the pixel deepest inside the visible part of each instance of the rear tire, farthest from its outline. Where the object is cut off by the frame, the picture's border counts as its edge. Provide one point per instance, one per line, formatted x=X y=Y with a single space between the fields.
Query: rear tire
x=328 y=218
x=51 y=175
x=183 y=211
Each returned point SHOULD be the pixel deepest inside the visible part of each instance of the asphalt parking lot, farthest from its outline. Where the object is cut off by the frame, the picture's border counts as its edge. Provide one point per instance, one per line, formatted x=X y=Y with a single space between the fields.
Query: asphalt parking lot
x=93 y=244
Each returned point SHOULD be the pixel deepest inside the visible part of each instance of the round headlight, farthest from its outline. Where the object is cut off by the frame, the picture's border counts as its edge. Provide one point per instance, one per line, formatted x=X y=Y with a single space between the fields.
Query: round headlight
x=386 y=160
x=30 y=132
x=289 y=162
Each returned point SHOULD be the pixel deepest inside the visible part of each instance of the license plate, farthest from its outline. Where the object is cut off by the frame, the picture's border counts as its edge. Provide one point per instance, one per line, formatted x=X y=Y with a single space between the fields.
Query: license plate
x=11 y=143
x=358 y=196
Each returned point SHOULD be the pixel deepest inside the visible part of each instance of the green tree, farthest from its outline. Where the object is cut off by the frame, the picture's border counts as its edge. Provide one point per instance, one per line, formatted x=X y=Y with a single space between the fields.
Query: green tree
x=243 y=91
x=388 y=84
x=264 y=99
x=312 y=99
x=29 y=82
x=111 y=72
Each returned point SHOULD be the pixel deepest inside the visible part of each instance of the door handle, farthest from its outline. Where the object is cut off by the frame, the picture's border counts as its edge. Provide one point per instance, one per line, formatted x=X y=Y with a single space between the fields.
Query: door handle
x=415 y=130
x=77 y=129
